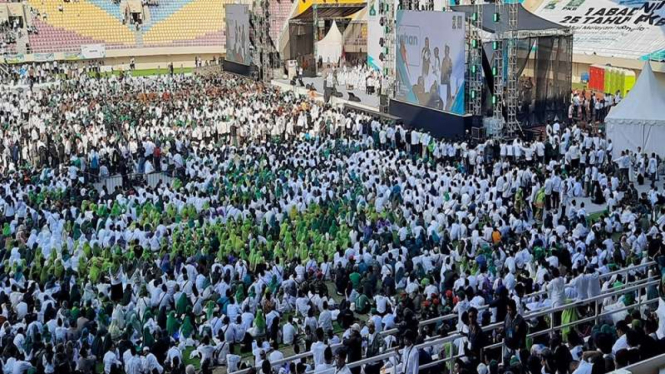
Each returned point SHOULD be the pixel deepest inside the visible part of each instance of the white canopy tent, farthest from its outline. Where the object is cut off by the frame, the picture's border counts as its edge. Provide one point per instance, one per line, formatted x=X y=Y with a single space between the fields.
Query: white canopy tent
x=329 y=49
x=639 y=119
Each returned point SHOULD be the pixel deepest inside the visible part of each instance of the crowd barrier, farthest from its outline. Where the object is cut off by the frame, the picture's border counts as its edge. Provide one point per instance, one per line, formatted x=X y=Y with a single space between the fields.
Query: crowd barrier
x=449 y=361
x=654 y=365
x=628 y=287
x=152 y=179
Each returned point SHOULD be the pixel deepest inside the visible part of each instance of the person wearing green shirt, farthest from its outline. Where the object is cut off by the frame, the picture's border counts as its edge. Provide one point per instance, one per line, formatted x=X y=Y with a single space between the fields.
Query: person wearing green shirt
x=362 y=304
x=355 y=277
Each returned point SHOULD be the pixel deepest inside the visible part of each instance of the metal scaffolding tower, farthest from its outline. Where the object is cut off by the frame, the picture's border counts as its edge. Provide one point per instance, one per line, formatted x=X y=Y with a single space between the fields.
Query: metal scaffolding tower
x=475 y=65
x=387 y=11
x=512 y=127
x=315 y=29
x=498 y=73
x=263 y=47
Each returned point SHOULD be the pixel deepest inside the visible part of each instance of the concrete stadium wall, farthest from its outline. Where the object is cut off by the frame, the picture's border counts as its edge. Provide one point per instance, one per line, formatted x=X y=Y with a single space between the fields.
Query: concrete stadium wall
x=148 y=58
x=151 y=58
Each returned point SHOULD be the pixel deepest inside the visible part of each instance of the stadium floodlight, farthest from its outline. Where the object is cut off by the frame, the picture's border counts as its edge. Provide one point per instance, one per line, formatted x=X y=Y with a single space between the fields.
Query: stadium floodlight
x=497 y=17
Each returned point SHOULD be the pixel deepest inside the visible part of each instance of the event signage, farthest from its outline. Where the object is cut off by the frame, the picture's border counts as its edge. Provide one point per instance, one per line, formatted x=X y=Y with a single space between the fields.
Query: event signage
x=93 y=51
x=633 y=29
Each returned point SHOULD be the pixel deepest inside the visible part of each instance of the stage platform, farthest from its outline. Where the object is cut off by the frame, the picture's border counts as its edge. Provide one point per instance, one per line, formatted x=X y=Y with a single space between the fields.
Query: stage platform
x=368 y=102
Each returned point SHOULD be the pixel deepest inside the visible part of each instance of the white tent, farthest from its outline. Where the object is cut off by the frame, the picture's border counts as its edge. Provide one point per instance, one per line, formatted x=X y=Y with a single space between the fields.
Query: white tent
x=329 y=49
x=639 y=119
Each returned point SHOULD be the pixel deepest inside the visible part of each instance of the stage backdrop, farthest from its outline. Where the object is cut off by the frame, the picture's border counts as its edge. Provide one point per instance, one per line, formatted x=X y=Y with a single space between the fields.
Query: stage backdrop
x=237 y=34
x=430 y=59
x=633 y=29
x=375 y=31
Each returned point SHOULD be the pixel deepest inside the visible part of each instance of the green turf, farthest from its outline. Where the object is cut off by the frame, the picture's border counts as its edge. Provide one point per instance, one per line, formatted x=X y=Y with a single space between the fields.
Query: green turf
x=595 y=216
x=148 y=72
x=190 y=361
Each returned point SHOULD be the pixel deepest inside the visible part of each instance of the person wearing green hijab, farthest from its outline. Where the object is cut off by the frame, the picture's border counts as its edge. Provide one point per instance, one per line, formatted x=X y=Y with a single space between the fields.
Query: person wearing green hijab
x=260 y=323
x=187 y=328
x=172 y=324
x=210 y=309
x=148 y=338
x=182 y=304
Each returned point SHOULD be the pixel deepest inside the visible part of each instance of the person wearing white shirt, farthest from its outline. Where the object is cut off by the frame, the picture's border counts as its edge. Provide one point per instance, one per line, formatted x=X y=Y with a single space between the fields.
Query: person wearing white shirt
x=381 y=302
x=653 y=167
x=21 y=367
x=581 y=282
x=584 y=368
x=205 y=350
x=133 y=363
x=325 y=318
x=275 y=355
x=410 y=355
x=340 y=363
x=150 y=363
x=288 y=332
x=172 y=353
x=247 y=318
x=556 y=289
x=110 y=360
x=622 y=342
x=318 y=348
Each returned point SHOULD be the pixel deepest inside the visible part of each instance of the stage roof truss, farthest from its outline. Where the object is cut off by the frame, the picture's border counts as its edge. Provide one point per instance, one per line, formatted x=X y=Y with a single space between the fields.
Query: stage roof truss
x=328 y=12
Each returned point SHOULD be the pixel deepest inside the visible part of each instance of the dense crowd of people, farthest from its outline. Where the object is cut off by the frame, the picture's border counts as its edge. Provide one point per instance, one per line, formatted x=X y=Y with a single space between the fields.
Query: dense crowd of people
x=28 y=74
x=290 y=223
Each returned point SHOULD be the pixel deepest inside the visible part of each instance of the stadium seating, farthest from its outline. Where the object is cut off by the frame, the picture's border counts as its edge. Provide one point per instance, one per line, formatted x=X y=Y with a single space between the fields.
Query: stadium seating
x=280 y=12
x=65 y=26
x=186 y=23
x=69 y=24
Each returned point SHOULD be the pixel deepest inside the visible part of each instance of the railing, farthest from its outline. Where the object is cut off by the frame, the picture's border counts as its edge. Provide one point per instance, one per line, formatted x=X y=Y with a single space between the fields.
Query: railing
x=637 y=284
x=113 y=181
x=652 y=365
x=548 y=312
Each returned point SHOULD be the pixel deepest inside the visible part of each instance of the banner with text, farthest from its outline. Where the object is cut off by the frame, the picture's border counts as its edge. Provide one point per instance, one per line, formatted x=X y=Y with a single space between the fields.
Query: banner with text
x=430 y=59
x=90 y=51
x=633 y=29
